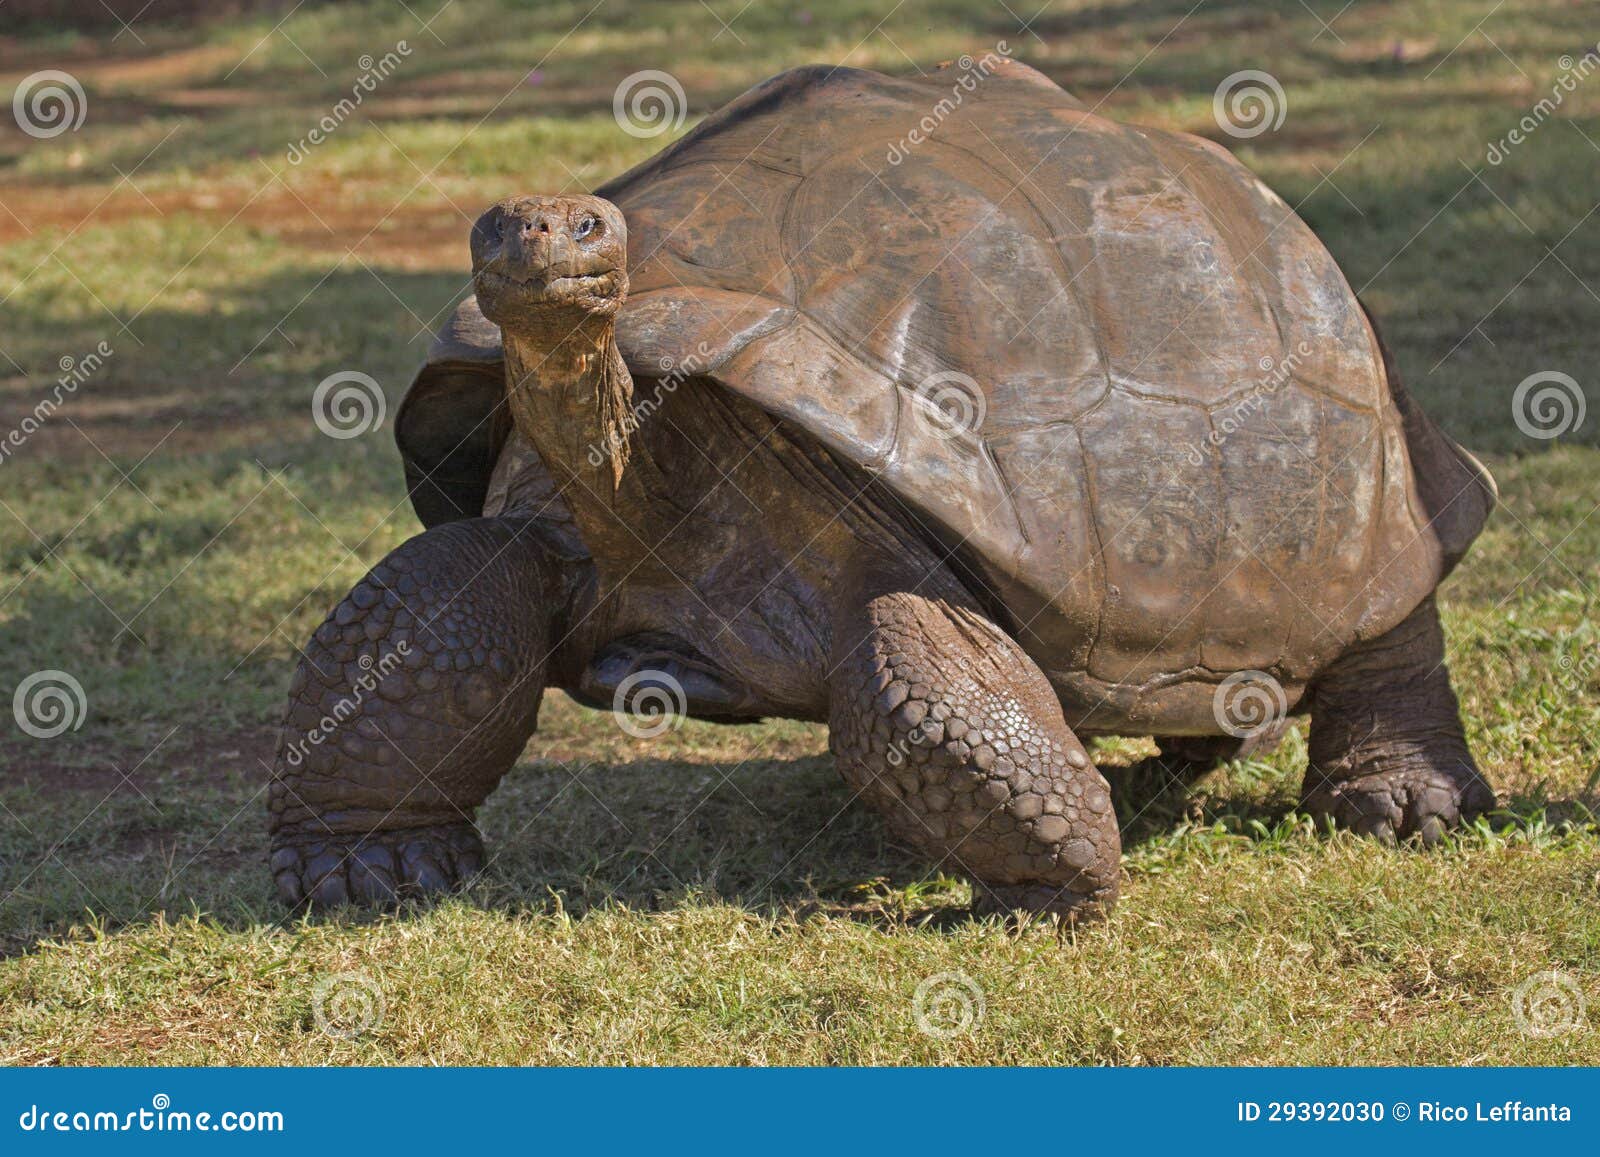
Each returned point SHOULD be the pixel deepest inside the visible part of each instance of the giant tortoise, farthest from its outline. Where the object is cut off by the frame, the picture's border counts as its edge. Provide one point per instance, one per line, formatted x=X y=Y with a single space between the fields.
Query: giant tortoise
x=974 y=444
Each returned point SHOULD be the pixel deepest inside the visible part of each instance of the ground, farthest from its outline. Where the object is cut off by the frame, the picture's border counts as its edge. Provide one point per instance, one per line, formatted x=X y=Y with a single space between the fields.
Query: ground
x=177 y=527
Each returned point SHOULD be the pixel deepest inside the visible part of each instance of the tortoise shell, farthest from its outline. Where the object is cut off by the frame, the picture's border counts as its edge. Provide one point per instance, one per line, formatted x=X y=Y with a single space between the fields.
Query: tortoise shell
x=1105 y=363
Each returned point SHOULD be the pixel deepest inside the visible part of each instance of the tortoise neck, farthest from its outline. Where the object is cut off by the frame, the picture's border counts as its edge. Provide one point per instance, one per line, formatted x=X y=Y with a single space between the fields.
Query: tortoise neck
x=570 y=394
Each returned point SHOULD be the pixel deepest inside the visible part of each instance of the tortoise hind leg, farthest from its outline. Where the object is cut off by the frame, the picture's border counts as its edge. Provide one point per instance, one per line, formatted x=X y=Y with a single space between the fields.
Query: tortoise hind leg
x=1388 y=755
x=412 y=699
x=942 y=722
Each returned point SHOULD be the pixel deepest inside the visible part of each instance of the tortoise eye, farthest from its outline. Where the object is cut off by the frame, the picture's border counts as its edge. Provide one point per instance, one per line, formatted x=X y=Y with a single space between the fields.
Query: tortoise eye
x=585 y=227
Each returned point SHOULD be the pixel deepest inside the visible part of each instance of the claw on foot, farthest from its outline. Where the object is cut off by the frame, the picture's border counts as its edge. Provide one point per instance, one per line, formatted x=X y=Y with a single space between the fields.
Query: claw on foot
x=382 y=868
x=1394 y=806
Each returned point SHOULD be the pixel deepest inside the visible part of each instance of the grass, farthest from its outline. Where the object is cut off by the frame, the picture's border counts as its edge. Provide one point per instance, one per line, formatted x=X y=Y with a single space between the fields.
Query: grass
x=179 y=526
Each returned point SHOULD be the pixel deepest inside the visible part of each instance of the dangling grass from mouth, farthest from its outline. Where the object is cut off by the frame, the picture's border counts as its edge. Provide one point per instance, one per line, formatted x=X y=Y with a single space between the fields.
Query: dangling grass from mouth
x=614 y=397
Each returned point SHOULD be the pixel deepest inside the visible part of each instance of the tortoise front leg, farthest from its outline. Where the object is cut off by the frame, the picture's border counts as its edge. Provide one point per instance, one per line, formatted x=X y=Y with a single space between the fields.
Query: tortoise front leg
x=942 y=722
x=413 y=699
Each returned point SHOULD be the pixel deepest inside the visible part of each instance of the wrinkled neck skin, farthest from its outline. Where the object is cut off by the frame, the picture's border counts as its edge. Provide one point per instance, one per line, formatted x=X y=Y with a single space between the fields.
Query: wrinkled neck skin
x=676 y=545
x=571 y=395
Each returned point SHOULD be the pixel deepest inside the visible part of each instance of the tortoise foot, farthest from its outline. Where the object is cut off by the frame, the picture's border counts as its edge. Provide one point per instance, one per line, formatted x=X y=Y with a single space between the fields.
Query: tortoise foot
x=1388 y=755
x=385 y=867
x=1402 y=803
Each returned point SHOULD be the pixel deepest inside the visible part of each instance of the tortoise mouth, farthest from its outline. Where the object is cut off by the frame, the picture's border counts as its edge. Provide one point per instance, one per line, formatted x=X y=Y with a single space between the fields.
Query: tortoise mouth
x=552 y=285
x=505 y=297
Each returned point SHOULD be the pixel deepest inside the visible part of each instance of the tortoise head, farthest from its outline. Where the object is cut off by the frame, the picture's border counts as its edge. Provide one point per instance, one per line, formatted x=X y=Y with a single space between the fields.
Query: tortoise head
x=543 y=261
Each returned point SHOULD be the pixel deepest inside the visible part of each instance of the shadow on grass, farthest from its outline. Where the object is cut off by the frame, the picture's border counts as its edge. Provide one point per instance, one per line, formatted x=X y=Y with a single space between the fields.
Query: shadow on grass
x=782 y=838
x=234 y=359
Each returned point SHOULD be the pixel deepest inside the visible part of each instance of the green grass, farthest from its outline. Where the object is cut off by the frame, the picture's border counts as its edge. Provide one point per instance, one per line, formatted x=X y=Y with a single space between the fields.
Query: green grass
x=714 y=895
x=1289 y=951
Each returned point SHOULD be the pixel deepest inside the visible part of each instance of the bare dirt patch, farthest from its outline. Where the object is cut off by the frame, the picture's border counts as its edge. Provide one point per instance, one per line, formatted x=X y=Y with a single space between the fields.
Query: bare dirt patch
x=323 y=220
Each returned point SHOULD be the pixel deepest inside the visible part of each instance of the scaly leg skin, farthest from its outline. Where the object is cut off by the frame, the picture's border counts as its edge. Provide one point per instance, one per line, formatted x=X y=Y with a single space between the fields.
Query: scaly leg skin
x=414 y=697
x=1388 y=755
x=942 y=722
